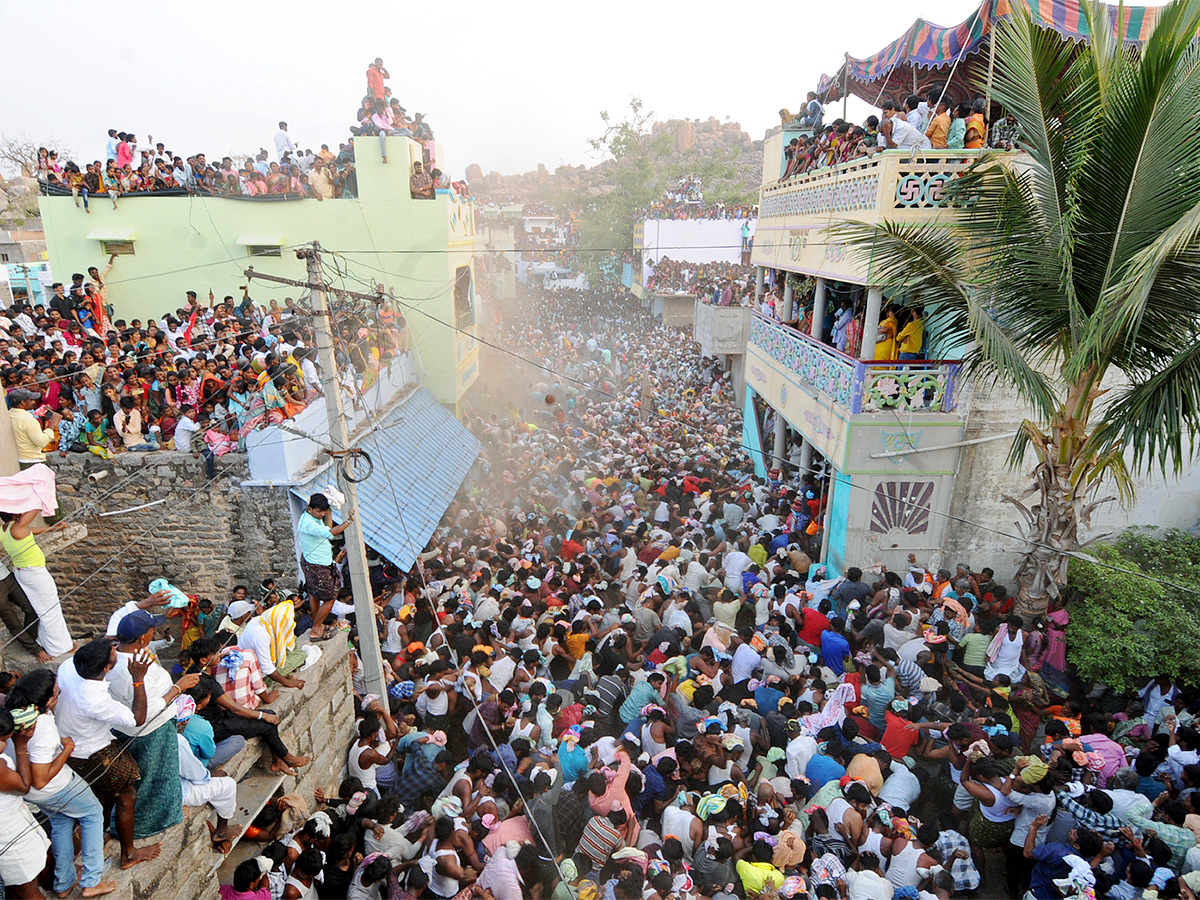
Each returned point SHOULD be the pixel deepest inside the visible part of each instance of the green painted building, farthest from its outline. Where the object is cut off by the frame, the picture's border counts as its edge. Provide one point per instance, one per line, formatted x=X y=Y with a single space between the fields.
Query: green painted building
x=420 y=250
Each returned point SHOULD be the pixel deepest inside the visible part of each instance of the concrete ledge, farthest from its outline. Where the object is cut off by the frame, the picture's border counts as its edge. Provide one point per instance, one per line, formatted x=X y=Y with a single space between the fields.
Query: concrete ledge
x=316 y=721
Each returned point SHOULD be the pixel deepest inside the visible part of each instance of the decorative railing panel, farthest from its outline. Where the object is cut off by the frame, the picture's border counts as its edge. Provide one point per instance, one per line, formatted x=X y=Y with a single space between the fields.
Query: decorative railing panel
x=830 y=372
x=860 y=385
x=911 y=387
x=882 y=183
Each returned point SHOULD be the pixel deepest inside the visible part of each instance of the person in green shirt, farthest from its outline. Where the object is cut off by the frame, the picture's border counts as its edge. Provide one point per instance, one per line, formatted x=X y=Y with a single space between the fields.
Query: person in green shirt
x=958 y=127
x=95 y=434
x=974 y=647
x=314 y=534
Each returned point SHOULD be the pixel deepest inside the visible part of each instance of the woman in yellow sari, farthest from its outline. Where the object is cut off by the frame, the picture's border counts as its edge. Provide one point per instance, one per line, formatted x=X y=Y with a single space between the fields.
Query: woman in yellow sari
x=885 y=338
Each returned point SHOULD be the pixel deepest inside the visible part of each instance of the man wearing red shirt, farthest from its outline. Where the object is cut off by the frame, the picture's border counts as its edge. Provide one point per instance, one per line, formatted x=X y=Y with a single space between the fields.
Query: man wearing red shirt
x=815 y=622
x=376 y=74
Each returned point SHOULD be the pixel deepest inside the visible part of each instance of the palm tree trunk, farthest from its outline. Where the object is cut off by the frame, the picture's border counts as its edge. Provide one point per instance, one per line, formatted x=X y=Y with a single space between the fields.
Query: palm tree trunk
x=1052 y=527
x=1053 y=509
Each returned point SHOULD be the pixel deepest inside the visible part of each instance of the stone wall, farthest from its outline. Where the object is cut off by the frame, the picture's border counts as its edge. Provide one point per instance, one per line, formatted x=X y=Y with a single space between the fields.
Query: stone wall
x=205 y=538
x=316 y=721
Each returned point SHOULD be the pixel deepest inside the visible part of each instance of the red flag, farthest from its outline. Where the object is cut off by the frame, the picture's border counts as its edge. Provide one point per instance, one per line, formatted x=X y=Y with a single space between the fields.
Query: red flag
x=187 y=335
x=100 y=314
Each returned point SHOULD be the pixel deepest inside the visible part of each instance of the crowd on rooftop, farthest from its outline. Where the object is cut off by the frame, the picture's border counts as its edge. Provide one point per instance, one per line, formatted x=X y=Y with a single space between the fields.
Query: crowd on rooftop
x=917 y=123
x=294 y=173
x=685 y=200
x=197 y=380
x=719 y=283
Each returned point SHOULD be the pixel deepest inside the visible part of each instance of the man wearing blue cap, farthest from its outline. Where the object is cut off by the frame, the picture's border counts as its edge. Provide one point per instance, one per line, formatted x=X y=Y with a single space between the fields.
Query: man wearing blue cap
x=153 y=745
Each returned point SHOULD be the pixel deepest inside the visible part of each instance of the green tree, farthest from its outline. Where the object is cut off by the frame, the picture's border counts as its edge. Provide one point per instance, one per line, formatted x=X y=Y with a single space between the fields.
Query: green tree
x=637 y=161
x=1073 y=272
x=639 y=165
x=1126 y=627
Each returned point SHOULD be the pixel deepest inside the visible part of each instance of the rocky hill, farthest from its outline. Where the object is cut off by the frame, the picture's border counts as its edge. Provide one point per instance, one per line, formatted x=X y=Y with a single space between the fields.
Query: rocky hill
x=697 y=142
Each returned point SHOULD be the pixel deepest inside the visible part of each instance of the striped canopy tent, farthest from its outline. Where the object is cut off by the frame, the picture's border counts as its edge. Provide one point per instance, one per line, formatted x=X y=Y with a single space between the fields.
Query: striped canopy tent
x=929 y=57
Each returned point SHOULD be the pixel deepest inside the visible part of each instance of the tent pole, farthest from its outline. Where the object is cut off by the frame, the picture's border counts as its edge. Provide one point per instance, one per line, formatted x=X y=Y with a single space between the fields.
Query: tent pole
x=991 y=69
x=845 y=82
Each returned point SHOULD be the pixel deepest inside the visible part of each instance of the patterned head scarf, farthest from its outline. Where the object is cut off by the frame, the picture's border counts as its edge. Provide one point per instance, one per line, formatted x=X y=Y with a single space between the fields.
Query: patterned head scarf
x=185 y=708
x=710 y=804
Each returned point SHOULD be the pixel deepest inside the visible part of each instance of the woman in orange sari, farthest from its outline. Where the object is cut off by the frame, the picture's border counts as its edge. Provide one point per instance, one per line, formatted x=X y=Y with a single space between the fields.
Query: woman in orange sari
x=976 y=127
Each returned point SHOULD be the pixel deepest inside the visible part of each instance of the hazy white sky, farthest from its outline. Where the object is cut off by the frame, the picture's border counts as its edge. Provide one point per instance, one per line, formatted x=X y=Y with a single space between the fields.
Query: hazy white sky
x=505 y=85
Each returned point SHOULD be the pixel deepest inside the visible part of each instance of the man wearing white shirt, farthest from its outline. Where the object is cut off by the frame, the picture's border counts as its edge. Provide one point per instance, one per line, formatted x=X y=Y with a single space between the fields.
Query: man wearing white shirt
x=200 y=786
x=256 y=638
x=157 y=599
x=800 y=749
x=283 y=142
x=746 y=660
x=26 y=323
x=1181 y=751
x=901 y=787
x=736 y=562
x=152 y=745
x=87 y=712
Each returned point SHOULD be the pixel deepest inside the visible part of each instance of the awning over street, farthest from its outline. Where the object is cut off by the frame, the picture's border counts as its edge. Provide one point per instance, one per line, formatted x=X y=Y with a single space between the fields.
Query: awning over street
x=421 y=454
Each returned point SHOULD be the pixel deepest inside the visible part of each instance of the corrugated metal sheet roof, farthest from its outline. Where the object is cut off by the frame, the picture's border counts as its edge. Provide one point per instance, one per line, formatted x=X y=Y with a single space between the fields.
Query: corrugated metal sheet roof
x=427 y=454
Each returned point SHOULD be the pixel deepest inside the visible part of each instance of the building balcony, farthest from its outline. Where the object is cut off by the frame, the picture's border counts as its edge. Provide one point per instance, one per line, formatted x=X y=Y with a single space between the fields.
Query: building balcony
x=856 y=385
x=894 y=185
x=721 y=329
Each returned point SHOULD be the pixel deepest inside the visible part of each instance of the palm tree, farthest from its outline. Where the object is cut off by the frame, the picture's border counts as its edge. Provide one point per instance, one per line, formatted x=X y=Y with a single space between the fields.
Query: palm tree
x=1074 y=271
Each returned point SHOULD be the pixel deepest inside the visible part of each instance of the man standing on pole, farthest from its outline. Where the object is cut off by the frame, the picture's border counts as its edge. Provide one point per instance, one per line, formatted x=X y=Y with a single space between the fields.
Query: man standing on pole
x=315 y=534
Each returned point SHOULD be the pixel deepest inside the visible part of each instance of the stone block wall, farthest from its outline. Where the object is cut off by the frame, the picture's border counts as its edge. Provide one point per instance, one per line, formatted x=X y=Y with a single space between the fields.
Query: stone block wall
x=205 y=538
x=316 y=721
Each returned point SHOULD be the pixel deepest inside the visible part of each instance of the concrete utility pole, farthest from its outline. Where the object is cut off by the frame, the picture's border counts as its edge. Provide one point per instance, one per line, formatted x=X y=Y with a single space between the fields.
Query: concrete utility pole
x=356 y=553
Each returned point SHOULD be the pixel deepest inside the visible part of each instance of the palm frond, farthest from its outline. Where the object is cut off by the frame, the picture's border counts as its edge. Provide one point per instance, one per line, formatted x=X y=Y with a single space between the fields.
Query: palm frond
x=1156 y=299
x=1150 y=128
x=929 y=261
x=1158 y=418
x=1037 y=81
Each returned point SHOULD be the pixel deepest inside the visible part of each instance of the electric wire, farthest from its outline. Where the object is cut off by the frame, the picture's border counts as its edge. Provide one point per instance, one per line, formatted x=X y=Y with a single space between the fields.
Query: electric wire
x=913 y=505
x=445 y=638
x=137 y=539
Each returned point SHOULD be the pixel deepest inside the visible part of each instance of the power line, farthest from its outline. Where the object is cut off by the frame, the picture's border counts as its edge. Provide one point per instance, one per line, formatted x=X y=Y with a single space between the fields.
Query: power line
x=117 y=555
x=446 y=641
x=739 y=446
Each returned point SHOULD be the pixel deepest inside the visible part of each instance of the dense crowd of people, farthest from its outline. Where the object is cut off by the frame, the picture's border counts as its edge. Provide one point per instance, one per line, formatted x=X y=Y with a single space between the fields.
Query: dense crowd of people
x=294 y=173
x=620 y=670
x=719 y=283
x=677 y=209
x=931 y=123
x=197 y=380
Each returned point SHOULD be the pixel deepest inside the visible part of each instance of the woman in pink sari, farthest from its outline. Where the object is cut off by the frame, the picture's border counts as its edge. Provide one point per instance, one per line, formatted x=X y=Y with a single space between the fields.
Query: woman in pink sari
x=853 y=337
x=1056 y=636
x=1054 y=658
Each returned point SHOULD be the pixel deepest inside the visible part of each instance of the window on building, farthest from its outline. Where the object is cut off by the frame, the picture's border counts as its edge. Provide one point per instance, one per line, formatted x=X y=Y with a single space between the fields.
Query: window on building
x=117 y=248
x=464 y=298
x=3 y=257
x=262 y=250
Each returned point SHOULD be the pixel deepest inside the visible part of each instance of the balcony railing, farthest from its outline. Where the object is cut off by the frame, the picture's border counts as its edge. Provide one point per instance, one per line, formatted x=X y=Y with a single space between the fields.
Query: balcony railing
x=863 y=386
x=894 y=185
